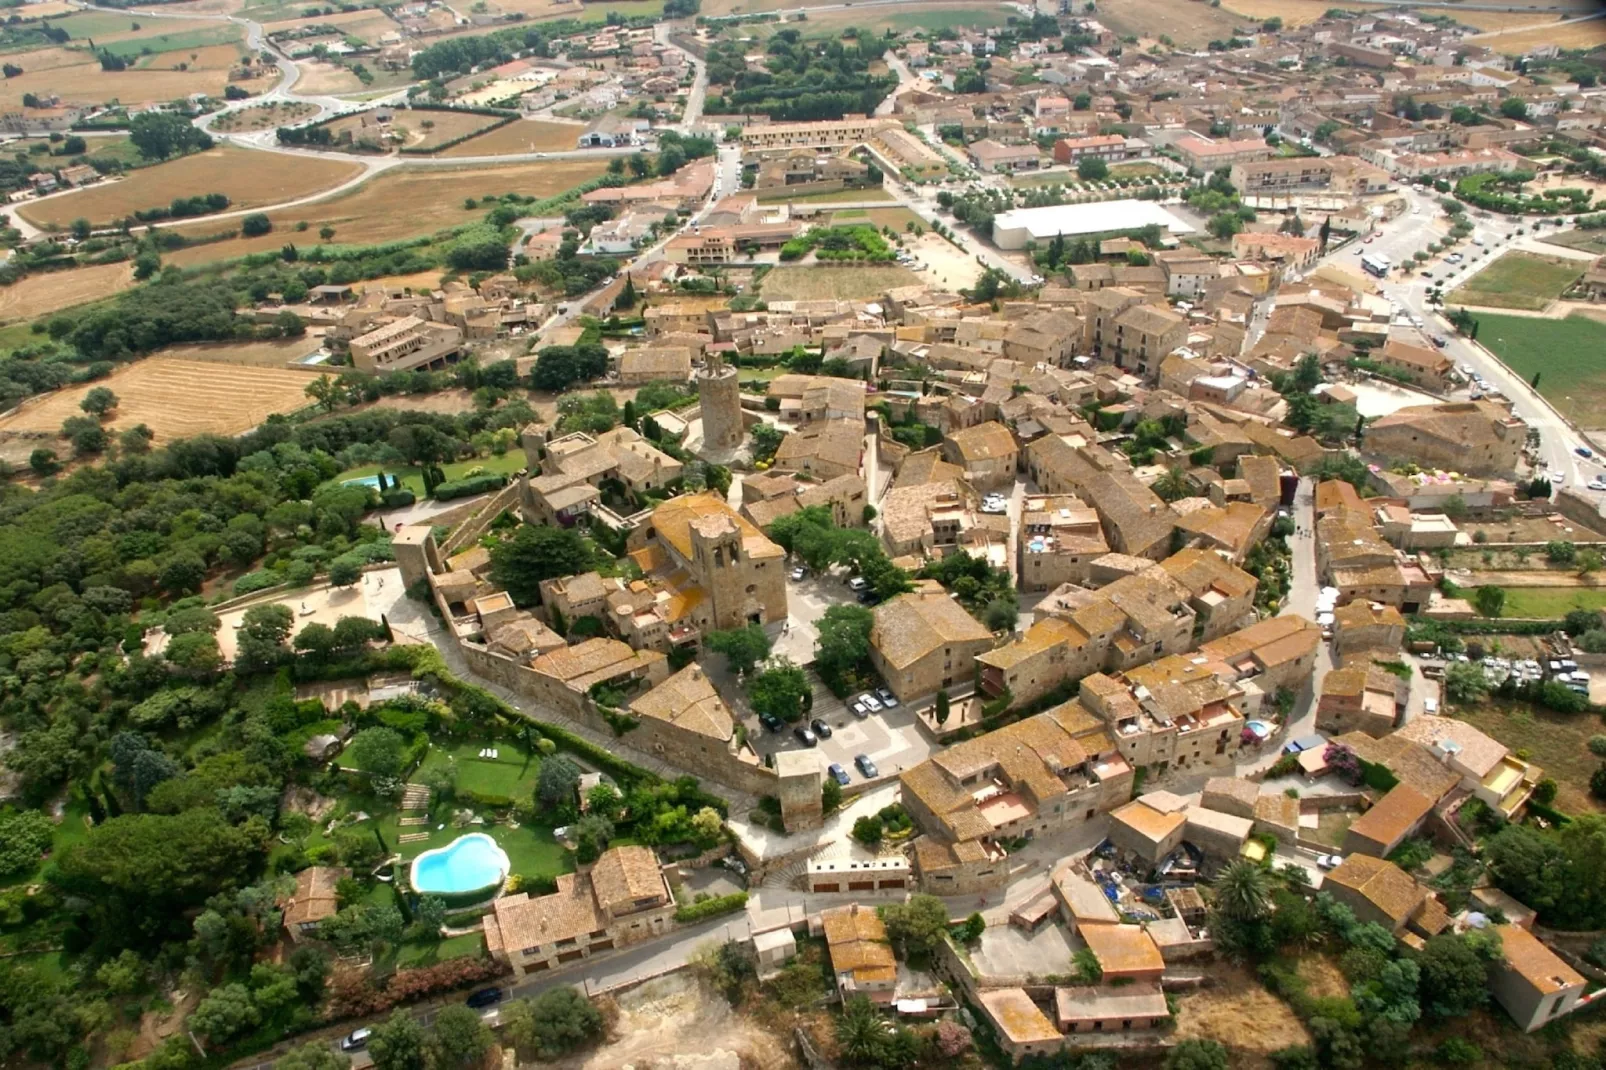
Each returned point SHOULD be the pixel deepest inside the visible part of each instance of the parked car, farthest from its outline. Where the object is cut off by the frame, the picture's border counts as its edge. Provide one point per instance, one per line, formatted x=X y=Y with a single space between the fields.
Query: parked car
x=821 y=729
x=860 y=710
x=858 y=583
x=866 y=766
x=871 y=703
x=804 y=736
x=869 y=598
x=1329 y=861
x=1584 y=451
x=485 y=997
x=799 y=572
x=770 y=722
x=356 y=1040
x=1597 y=483
x=888 y=699
x=838 y=774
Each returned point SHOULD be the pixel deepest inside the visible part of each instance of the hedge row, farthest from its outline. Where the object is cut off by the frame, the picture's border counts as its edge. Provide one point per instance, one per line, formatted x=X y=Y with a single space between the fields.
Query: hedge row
x=711 y=908
x=1487 y=627
x=467 y=488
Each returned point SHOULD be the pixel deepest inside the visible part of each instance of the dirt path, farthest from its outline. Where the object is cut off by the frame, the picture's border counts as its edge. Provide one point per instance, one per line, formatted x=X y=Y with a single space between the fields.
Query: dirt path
x=678 y=1015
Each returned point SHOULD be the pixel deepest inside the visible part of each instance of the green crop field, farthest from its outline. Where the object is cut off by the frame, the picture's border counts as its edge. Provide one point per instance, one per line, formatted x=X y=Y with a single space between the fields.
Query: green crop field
x=1551 y=603
x=1565 y=353
x=188 y=41
x=1518 y=280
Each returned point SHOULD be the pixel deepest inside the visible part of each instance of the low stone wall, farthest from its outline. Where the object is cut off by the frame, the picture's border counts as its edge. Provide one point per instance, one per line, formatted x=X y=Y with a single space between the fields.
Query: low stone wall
x=479 y=522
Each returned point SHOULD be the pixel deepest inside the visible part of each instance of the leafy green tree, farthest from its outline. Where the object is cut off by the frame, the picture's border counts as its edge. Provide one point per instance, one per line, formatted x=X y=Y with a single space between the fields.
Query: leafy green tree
x=556 y=781
x=344 y=572
x=1489 y=600
x=458 y=1039
x=1514 y=108
x=225 y=1013
x=378 y=751
x=1465 y=682
x=915 y=926
x=1455 y=978
x=843 y=644
x=1196 y=1054
x=1092 y=169
x=24 y=837
x=743 y=647
x=781 y=690
x=313 y=1056
x=260 y=641
x=98 y=402
x=398 y=1043
x=554 y=1023
x=534 y=554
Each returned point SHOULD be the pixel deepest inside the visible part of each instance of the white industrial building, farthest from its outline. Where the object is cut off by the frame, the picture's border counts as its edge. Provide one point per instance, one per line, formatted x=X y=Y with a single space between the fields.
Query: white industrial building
x=1013 y=229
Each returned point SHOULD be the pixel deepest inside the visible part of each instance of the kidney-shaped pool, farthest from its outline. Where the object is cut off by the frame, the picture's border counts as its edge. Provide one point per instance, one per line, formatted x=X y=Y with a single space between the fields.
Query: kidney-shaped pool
x=467 y=864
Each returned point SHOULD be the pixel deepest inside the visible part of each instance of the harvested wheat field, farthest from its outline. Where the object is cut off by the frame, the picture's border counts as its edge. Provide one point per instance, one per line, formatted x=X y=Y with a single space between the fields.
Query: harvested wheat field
x=403 y=203
x=521 y=135
x=263 y=116
x=1237 y=1006
x=248 y=177
x=87 y=82
x=40 y=295
x=1591 y=34
x=206 y=58
x=267 y=354
x=442 y=126
x=174 y=398
x=324 y=77
x=1190 y=25
x=369 y=24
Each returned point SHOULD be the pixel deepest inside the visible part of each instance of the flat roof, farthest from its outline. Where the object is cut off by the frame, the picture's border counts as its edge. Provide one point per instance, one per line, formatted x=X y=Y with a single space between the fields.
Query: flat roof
x=1096 y=218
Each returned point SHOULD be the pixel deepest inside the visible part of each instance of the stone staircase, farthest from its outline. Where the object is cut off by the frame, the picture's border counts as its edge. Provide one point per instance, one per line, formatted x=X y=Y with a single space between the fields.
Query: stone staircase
x=412 y=837
x=413 y=821
x=415 y=797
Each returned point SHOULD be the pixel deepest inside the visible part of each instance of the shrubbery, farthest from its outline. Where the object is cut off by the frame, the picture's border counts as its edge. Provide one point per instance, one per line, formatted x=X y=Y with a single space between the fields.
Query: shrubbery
x=465 y=488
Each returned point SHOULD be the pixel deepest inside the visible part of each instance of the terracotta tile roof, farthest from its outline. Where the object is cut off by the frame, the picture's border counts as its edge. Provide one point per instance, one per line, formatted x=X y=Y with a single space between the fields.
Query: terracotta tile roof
x=674 y=518
x=688 y=700
x=1477 y=751
x=1020 y=1020
x=314 y=898
x=984 y=442
x=624 y=876
x=911 y=626
x=1395 y=814
x=1535 y=963
x=858 y=945
x=1123 y=949
x=518 y=922
x=1148 y=822
x=1380 y=882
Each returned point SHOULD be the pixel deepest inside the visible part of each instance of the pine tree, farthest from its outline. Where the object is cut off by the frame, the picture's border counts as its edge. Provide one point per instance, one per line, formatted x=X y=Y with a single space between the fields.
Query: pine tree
x=627 y=296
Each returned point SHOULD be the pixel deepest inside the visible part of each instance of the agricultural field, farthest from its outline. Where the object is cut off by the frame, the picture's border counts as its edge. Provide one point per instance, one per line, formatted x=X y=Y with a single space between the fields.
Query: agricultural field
x=369 y=25
x=169 y=49
x=1519 y=280
x=1585 y=241
x=1296 y=13
x=40 y=295
x=897 y=218
x=174 y=398
x=275 y=353
x=368 y=214
x=249 y=178
x=877 y=20
x=1582 y=35
x=1189 y=25
x=1567 y=351
x=519 y=136
x=1551 y=603
x=1559 y=743
x=49 y=70
x=813 y=283
x=423 y=130
x=263 y=117
x=322 y=76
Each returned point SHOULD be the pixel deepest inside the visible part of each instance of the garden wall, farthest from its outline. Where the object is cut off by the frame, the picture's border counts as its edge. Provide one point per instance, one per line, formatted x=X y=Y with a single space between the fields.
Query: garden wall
x=479 y=521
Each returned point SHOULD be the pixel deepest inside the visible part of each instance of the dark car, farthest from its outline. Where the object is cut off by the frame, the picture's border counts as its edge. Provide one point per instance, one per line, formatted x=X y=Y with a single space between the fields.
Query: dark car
x=866 y=766
x=838 y=774
x=821 y=729
x=770 y=722
x=868 y=597
x=485 y=997
x=804 y=736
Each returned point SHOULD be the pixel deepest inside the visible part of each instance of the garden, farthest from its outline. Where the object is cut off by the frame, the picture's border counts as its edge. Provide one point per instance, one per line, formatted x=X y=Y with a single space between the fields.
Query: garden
x=1503 y=193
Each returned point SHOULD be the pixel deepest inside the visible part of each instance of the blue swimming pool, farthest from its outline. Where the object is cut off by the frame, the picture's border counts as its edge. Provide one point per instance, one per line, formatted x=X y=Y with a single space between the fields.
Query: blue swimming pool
x=467 y=864
x=363 y=481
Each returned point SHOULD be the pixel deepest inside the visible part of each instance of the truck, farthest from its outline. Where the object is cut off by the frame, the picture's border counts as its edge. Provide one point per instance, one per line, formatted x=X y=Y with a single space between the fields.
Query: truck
x=1375 y=264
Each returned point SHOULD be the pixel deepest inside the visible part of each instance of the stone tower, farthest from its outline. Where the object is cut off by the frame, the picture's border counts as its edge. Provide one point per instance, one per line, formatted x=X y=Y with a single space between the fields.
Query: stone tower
x=721 y=568
x=721 y=400
x=798 y=786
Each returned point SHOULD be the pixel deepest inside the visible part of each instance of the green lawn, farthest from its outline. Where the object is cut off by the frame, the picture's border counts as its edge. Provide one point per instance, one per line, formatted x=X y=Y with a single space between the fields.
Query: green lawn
x=413 y=476
x=429 y=952
x=73 y=829
x=177 y=43
x=1566 y=352
x=1551 y=603
x=511 y=773
x=840 y=196
x=531 y=849
x=1518 y=280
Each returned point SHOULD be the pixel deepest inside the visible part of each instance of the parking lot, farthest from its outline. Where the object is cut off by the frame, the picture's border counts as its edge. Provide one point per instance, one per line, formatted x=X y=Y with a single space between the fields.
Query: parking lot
x=891 y=738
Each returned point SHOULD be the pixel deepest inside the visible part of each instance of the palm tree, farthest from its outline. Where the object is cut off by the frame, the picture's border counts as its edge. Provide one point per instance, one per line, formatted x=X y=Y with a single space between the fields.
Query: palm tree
x=1241 y=892
x=860 y=1032
x=1172 y=485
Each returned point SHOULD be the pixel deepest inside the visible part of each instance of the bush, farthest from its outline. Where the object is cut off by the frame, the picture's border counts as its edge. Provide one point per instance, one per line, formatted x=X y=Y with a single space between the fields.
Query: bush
x=465 y=488
x=711 y=908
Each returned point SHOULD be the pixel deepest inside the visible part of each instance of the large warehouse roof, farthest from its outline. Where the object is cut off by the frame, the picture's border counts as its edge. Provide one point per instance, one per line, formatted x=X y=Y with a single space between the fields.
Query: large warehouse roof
x=1073 y=220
